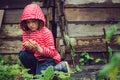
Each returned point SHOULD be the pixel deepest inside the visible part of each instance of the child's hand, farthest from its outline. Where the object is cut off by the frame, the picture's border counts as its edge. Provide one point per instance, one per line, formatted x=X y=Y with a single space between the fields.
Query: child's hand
x=26 y=44
x=30 y=44
x=34 y=45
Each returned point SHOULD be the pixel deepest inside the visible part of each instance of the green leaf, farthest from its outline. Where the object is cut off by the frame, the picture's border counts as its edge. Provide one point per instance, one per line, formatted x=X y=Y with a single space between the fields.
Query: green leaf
x=104 y=71
x=83 y=54
x=118 y=39
x=113 y=74
x=73 y=52
x=48 y=73
x=111 y=31
x=81 y=59
x=78 y=68
x=111 y=69
x=62 y=75
x=98 y=60
x=110 y=52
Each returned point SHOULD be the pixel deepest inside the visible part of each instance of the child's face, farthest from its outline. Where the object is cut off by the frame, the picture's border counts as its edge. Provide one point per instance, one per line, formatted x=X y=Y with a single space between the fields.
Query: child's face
x=32 y=24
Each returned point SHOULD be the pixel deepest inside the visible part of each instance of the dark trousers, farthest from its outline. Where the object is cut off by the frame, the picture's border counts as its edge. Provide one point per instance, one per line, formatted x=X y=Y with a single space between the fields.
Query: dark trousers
x=29 y=61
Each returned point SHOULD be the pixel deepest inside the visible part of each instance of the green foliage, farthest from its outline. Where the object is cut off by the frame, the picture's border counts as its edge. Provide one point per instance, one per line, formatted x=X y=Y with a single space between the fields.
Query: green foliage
x=10 y=71
x=118 y=39
x=62 y=75
x=73 y=51
x=98 y=60
x=67 y=38
x=111 y=69
x=110 y=52
x=48 y=73
x=78 y=68
x=18 y=72
x=85 y=58
x=111 y=31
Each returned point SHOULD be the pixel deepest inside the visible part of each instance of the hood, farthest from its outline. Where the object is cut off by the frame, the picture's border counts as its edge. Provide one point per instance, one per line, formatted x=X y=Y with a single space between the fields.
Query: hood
x=32 y=11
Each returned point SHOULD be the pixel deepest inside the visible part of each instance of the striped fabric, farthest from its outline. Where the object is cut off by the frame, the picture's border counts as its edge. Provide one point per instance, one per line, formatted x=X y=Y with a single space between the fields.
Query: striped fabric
x=43 y=36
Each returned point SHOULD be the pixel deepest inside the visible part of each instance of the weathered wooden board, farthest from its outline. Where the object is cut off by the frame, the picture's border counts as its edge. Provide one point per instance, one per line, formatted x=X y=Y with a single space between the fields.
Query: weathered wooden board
x=8 y=4
x=82 y=30
x=83 y=1
x=14 y=15
x=92 y=14
x=91 y=44
x=10 y=31
x=10 y=46
x=1 y=16
x=87 y=44
x=92 y=3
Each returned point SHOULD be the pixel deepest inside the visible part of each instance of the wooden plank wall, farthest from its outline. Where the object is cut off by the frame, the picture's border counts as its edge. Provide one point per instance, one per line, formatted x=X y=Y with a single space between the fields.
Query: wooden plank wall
x=85 y=26
x=86 y=23
x=1 y=16
x=17 y=4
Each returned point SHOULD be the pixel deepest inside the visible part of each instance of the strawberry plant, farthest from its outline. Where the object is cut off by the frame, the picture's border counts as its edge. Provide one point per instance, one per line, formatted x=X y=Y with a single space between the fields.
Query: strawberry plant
x=9 y=71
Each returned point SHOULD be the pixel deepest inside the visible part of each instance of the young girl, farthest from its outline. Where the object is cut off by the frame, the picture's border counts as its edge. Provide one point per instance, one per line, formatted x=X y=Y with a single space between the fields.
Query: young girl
x=38 y=50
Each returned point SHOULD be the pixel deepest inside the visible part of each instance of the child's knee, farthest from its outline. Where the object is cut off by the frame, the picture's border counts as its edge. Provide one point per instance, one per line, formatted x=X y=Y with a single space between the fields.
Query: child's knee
x=22 y=54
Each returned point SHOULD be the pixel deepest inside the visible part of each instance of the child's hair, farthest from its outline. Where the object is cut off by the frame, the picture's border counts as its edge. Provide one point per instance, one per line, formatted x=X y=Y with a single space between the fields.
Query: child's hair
x=25 y=27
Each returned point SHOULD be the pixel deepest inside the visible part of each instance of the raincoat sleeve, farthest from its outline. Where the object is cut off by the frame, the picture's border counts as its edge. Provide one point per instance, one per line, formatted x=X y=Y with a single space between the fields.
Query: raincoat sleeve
x=48 y=49
x=24 y=38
